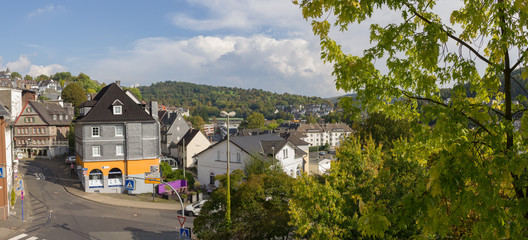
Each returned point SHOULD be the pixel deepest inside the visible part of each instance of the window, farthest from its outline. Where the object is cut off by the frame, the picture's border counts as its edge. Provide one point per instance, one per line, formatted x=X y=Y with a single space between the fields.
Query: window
x=238 y=158
x=117 y=110
x=96 y=151
x=18 y=130
x=115 y=177
x=95 y=132
x=29 y=110
x=60 y=117
x=66 y=117
x=119 y=130
x=218 y=155
x=34 y=131
x=54 y=117
x=285 y=152
x=119 y=150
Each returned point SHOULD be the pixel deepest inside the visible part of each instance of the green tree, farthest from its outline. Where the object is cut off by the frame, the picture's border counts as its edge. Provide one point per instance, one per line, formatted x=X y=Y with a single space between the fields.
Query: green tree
x=361 y=197
x=15 y=75
x=135 y=91
x=170 y=175
x=476 y=160
x=65 y=76
x=311 y=119
x=259 y=207
x=42 y=77
x=28 y=78
x=255 y=120
x=74 y=94
x=196 y=121
x=384 y=130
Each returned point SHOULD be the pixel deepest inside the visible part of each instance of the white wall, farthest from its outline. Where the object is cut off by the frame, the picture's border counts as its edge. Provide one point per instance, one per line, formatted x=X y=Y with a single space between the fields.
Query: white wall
x=209 y=163
x=197 y=144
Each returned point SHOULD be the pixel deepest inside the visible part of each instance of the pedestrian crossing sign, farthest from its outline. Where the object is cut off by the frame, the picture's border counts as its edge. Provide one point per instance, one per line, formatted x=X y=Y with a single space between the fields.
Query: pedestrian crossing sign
x=130 y=184
x=185 y=233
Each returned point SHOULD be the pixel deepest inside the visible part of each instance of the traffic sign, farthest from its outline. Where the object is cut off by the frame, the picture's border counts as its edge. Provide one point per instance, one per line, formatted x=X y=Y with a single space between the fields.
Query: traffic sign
x=185 y=233
x=1 y=172
x=152 y=177
x=130 y=184
x=181 y=219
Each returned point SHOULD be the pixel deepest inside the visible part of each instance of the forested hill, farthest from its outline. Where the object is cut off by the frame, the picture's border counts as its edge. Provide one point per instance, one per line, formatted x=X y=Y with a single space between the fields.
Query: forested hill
x=208 y=101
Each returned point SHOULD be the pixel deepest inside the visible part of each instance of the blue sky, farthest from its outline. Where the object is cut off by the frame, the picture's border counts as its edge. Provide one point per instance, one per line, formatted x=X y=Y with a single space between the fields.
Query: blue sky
x=248 y=44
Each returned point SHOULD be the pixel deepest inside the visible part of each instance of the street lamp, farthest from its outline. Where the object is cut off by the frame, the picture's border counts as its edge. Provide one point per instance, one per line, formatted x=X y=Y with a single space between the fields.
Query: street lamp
x=228 y=193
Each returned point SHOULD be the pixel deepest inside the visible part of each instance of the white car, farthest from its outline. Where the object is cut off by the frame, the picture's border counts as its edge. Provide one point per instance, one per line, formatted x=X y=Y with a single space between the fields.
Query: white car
x=70 y=159
x=194 y=209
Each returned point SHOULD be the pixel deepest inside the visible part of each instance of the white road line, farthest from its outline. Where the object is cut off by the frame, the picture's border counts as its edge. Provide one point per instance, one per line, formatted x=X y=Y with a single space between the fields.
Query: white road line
x=32 y=238
x=23 y=235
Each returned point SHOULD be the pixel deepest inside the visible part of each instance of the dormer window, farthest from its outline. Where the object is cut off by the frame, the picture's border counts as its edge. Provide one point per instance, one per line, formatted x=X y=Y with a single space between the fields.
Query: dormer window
x=118 y=110
x=117 y=107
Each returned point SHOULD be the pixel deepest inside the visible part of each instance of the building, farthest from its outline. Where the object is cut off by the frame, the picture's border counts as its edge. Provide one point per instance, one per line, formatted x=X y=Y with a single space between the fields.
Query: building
x=173 y=128
x=268 y=147
x=41 y=129
x=318 y=134
x=115 y=139
x=192 y=143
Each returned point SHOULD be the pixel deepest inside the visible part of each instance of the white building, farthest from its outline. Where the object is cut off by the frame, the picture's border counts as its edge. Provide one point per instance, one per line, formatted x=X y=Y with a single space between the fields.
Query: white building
x=213 y=160
x=319 y=134
x=192 y=143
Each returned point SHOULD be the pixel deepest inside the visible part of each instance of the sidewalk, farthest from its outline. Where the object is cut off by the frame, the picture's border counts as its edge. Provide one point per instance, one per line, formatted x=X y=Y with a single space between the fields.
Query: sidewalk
x=14 y=222
x=72 y=184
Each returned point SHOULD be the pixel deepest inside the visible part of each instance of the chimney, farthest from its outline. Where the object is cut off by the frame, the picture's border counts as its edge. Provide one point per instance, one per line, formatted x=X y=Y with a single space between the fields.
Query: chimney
x=154 y=109
x=118 y=83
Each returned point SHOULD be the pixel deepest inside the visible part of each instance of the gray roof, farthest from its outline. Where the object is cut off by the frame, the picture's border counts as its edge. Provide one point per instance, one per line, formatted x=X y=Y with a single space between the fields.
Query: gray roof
x=47 y=109
x=102 y=110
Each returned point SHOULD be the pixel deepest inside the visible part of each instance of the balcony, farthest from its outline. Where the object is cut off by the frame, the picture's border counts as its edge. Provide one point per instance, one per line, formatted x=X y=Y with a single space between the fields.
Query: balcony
x=34 y=145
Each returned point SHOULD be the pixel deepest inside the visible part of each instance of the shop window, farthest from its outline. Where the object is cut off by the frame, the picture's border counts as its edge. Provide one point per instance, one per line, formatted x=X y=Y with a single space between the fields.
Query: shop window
x=115 y=178
x=95 y=179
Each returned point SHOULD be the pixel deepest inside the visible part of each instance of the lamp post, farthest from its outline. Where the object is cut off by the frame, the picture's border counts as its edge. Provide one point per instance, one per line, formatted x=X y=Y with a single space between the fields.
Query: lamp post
x=228 y=192
x=273 y=149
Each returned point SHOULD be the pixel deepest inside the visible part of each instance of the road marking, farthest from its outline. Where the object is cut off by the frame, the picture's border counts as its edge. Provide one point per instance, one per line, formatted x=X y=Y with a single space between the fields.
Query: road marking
x=40 y=176
x=32 y=238
x=23 y=235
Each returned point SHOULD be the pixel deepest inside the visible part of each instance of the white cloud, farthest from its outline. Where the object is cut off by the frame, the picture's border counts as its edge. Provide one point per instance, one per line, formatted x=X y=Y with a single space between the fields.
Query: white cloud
x=47 y=9
x=23 y=66
x=234 y=14
x=36 y=70
x=262 y=62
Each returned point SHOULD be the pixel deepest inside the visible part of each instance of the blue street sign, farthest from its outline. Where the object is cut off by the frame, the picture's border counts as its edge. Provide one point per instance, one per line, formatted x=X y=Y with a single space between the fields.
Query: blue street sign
x=185 y=233
x=130 y=184
x=1 y=172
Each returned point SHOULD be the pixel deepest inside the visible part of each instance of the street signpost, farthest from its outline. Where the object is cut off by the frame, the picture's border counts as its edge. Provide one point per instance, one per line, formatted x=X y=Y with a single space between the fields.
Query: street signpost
x=181 y=220
x=130 y=184
x=185 y=233
x=2 y=172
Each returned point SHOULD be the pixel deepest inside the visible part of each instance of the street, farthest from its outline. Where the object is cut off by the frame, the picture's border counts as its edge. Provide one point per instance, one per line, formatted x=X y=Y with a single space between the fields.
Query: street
x=56 y=214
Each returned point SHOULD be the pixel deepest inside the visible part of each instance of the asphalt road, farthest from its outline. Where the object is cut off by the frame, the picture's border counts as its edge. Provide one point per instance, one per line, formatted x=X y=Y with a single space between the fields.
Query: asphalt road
x=56 y=214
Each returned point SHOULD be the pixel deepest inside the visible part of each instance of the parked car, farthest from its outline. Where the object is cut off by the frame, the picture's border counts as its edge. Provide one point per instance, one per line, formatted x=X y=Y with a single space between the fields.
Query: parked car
x=70 y=159
x=194 y=209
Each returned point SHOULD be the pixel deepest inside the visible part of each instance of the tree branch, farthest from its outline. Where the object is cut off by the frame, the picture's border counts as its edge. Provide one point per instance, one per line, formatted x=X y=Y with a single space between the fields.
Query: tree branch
x=445 y=105
x=451 y=36
x=520 y=60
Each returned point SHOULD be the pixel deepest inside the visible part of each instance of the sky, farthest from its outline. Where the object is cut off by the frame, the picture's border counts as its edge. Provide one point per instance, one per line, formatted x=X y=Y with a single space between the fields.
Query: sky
x=261 y=44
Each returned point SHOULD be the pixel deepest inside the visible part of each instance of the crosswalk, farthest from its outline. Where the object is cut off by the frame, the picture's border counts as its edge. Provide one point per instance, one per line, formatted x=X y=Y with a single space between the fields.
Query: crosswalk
x=23 y=237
